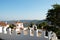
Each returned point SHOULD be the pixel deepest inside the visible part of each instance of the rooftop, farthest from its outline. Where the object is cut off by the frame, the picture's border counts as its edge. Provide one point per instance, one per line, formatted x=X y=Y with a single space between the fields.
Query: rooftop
x=3 y=24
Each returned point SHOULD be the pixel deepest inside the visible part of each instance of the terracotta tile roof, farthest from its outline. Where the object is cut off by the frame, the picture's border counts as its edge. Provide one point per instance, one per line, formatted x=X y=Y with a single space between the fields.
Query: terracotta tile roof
x=3 y=24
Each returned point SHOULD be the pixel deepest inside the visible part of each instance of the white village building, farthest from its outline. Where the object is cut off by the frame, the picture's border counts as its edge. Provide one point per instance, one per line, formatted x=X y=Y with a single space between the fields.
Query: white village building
x=19 y=26
x=3 y=27
x=34 y=27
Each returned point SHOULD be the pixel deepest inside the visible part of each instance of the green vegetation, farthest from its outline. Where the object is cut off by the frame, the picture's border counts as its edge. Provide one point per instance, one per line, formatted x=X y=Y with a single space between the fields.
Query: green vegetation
x=12 y=26
x=31 y=24
x=53 y=16
x=41 y=25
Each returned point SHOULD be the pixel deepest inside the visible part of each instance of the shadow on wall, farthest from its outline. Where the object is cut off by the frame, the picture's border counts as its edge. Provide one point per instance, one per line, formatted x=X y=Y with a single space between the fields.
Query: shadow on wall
x=1 y=39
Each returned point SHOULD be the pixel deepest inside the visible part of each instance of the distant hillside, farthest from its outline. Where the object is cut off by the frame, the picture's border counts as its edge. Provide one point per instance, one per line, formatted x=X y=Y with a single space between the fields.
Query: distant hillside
x=26 y=22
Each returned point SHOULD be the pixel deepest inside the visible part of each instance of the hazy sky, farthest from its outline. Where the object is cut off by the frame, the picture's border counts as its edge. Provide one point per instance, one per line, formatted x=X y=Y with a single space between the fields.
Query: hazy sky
x=25 y=9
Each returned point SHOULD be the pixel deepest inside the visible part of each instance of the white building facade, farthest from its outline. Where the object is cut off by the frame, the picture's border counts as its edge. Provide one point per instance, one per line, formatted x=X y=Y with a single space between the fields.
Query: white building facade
x=3 y=27
x=19 y=26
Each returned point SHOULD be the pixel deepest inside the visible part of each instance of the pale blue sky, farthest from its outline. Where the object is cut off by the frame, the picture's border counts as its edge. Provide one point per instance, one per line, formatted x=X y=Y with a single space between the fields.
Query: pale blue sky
x=25 y=9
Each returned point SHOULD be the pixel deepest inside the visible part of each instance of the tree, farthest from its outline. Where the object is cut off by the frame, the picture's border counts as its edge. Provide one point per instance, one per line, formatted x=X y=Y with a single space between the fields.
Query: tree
x=53 y=16
x=42 y=25
x=12 y=26
x=31 y=24
x=38 y=26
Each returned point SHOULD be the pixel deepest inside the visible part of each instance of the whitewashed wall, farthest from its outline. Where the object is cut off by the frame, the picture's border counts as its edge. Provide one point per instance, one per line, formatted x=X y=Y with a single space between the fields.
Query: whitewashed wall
x=5 y=29
x=0 y=29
